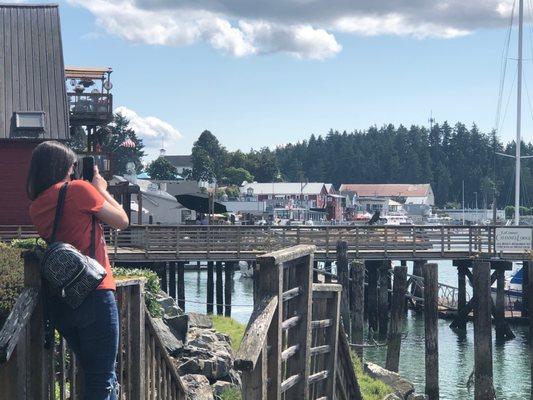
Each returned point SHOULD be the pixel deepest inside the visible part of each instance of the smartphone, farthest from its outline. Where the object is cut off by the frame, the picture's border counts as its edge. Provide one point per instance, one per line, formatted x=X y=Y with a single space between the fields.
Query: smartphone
x=88 y=168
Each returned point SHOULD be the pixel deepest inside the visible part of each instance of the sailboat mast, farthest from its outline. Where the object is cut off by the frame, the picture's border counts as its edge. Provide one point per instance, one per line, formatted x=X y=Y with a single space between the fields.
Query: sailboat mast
x=518 y=113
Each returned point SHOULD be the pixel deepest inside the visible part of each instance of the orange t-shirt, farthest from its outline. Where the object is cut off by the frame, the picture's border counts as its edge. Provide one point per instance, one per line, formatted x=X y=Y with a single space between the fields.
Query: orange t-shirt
x=81 y=202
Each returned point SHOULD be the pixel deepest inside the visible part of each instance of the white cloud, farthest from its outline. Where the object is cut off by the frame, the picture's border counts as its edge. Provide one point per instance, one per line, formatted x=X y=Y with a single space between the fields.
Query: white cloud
x=153 y=131
x=301 y=28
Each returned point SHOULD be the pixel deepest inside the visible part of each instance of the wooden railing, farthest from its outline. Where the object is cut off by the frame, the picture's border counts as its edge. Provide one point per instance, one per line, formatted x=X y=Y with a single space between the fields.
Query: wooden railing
x=290 y=348
x=422 y=241
x=29 y=371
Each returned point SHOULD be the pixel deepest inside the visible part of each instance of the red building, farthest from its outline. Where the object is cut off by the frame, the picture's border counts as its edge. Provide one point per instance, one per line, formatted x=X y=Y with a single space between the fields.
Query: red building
x=33 y=101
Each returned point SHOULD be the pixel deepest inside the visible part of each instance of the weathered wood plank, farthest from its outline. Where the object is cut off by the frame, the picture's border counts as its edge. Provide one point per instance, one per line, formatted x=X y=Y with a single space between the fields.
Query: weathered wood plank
x=256 y=334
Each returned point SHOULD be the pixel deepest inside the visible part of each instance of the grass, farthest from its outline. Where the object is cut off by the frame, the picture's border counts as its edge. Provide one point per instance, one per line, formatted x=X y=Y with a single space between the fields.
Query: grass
x=231 y=394
x=371 y=389
x=230 y=327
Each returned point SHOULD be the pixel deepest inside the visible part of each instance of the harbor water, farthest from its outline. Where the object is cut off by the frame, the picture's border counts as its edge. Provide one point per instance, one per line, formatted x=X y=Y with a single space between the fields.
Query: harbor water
x=456 y=352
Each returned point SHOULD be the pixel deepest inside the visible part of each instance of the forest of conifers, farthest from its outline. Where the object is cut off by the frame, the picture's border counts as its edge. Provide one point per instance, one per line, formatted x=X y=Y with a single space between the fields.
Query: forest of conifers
x=444 y=157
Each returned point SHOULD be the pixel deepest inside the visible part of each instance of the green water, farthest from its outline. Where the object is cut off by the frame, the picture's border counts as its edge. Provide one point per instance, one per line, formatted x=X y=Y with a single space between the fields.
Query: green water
x=456 y=352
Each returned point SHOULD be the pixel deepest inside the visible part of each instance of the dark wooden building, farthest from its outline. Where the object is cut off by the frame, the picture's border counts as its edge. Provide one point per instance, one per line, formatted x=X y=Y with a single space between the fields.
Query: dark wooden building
x=33 y=101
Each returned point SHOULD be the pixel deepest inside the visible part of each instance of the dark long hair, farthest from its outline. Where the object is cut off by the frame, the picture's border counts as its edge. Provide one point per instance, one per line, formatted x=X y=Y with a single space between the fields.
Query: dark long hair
x=50 y=162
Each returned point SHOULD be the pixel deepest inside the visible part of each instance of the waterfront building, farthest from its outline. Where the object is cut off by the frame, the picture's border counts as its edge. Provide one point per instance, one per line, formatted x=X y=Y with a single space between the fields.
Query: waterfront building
x=33 y=100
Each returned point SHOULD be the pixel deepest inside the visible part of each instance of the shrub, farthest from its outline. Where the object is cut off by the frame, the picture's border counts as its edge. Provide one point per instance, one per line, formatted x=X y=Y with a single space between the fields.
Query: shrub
x=29 y=244
x=11 y=278
x=152 y=287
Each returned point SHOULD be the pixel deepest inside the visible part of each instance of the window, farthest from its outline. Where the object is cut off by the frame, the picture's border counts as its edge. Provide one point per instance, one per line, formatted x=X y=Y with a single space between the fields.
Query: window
x=33 y=120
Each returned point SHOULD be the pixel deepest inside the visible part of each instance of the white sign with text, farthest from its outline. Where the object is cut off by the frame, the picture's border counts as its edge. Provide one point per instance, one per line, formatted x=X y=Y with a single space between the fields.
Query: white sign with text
x=513 y=239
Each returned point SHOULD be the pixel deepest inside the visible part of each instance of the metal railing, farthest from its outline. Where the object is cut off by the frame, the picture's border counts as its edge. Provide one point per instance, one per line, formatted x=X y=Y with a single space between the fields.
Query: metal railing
x=90 y=107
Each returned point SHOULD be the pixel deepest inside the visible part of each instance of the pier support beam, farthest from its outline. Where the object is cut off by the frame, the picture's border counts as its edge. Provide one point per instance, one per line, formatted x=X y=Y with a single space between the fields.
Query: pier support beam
x=181 y=285
x=484 y=389
x=172 y=279
x=219 y=289
x=431 y=328
x=530 y=301
x=315 y=272
x=416 y=290
x=163 y=269
x=503 y=331
x=210 y=287
x=372 y=294
x=383 y=299
x=357 y=290
x=462 y=271
x=525 y=289
x=397 y=316
x=343 y=280
x=327 y=275
x=228 y=280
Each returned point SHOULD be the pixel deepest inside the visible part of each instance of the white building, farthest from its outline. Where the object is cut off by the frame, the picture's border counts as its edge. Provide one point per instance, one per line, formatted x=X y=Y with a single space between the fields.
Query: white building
x=421 y=194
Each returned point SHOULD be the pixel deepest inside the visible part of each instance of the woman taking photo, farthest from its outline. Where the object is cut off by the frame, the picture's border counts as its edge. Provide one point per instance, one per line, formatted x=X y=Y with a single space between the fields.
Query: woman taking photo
x=91 y=330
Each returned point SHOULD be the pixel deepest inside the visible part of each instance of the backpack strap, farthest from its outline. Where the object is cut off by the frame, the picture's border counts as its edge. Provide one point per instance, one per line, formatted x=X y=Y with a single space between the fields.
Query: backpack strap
x=93 y=239
x=59 y=210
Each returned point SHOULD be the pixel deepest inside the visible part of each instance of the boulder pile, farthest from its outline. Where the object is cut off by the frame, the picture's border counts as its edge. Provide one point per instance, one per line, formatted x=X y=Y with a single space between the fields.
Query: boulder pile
x=202 y=356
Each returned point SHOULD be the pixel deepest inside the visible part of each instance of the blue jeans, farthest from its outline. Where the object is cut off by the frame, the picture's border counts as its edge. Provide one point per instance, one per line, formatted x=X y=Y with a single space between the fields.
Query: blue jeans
x=92 y=332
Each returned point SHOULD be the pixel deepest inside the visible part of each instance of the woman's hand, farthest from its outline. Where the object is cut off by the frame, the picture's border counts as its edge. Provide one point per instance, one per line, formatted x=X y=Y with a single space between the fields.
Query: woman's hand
x=98 y=181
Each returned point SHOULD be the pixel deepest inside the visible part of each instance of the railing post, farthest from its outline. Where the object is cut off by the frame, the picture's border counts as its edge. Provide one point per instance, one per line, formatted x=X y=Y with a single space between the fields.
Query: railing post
x=137 y=338
x=38 y=358
x=268 y=281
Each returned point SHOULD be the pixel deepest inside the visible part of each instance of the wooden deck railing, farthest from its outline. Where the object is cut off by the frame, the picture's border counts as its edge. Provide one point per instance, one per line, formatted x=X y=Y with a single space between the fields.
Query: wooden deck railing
x=183 y=240
x=291 y=345
x=28 y=371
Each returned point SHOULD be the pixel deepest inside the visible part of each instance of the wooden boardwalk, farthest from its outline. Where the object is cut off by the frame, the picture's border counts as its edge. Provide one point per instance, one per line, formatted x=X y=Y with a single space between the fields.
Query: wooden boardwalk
x=226 y=242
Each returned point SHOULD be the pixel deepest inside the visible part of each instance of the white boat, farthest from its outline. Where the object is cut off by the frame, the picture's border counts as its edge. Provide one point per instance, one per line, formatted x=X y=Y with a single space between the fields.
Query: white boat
x=513 y=288
x=396 y=220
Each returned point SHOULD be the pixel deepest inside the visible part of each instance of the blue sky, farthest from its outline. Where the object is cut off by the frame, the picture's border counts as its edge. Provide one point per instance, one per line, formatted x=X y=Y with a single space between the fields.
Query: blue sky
x=271 y=97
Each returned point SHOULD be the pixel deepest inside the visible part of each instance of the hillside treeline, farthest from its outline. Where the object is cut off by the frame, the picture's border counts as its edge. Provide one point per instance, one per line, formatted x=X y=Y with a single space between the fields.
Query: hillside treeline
x=445 y=157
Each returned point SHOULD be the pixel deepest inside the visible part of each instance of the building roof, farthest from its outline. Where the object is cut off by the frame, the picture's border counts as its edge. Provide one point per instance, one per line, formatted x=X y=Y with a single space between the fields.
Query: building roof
x=87 y=72
x=285 y=188
x=32 y=76
x=387 y=190
x=180 y=161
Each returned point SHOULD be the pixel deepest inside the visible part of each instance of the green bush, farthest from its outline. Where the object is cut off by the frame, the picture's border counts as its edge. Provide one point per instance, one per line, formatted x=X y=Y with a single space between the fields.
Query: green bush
x=231 y=394
x=29 y=244
x=11 y=278
x=152 y=287
x=230 y=327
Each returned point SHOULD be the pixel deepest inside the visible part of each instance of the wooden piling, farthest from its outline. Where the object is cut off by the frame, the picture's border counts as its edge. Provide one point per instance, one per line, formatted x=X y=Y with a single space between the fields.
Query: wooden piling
x=499 y=312
x=484 y=389
x=372 y=295
x=461 y=294
x=228 y=280
x=530 y=301
x=357 y=289
x=525 y=289
x=172 y=279
x=327 y=275
x=383 y=299
x=343 y=280
x=210 y=287
x=397 y=316
x=219 y=289
x=315 y=272
x=431 y=290
x=181 y=285
x=163 y=267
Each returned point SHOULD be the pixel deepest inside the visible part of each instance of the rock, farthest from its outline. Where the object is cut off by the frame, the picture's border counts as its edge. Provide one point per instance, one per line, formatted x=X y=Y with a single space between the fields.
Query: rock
x=392 y=396
x=172 y=344
x=190 y=366
x=415 y=396
x=198 y=387
x=220 y=386
x=402 y=387
x=179 y=325
x=200 y=321
x=168 y=305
